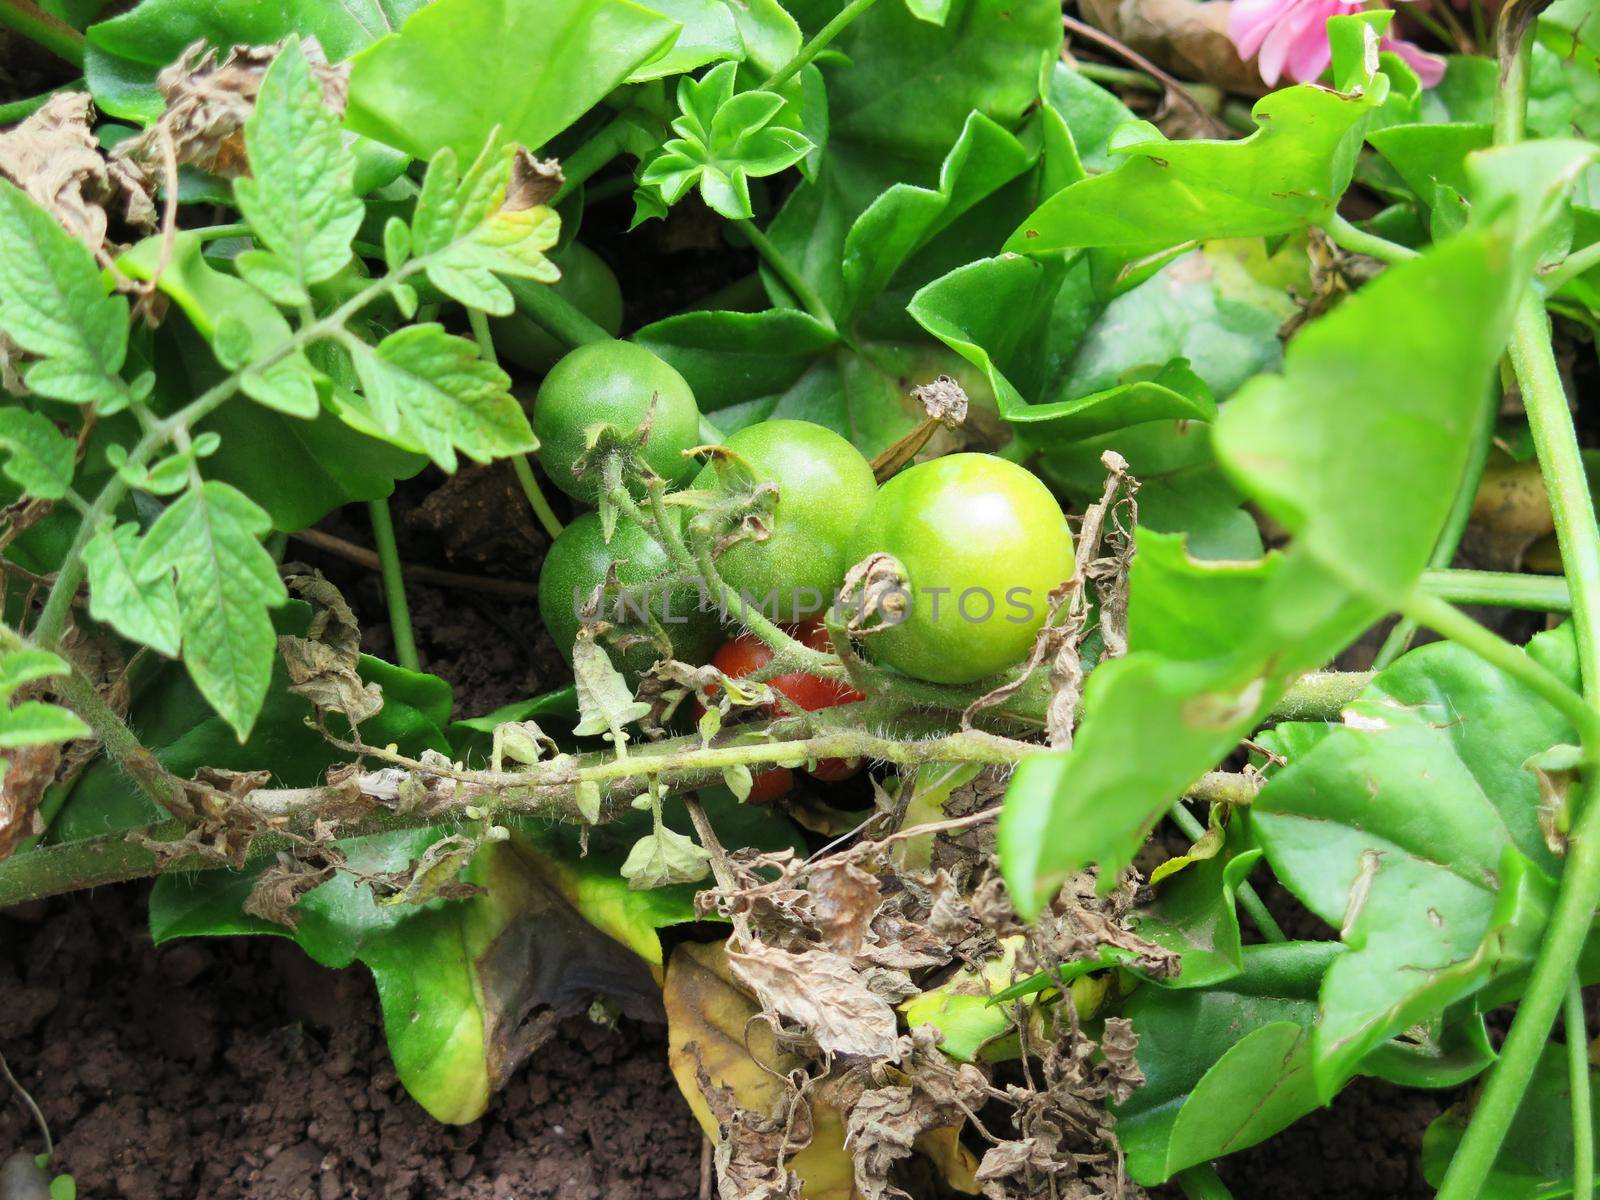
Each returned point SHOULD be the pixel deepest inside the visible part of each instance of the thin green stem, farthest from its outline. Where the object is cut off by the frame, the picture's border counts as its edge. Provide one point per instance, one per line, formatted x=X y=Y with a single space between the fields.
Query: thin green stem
x=18 y=110
x=1202 y=1183
x=1578 y=534
x=38 y=26
x=1118 y=76
x=1480 y=25
x=1569 y=268
x=556 y=315
x=1249 y=899
x=519 y=462
x=536 y=497
x=817 y=44
x=1358 y=241
x=394 y=585
x=1499 y=589
x=1513 y=660
x=213 y=233
x=1511 y=101
x=1577 y=1036
x=787 y=272
x=589 y=157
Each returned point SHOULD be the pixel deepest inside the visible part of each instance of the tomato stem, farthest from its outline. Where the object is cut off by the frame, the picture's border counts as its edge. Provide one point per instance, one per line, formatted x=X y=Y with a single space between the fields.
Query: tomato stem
x=1358 y=241
x=394 y=585
x=1582 y=1106
x=787 y=272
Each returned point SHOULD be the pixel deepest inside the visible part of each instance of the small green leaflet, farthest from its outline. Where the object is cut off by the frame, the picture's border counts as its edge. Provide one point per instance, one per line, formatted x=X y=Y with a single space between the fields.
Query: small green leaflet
x=32 y=722
x=142 y=610
x=605 y=704
x=298 y=197
x=665 y=857
x=41 y=456
x=53 y=304
x=724 y=139
x=226 y=581
x=471 y=228
x=429 y=390
x=1289 y=174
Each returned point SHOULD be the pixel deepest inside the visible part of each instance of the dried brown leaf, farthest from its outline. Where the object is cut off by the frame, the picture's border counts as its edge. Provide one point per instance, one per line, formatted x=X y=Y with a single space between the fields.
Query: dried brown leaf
x=55 y=158
x=822 y=993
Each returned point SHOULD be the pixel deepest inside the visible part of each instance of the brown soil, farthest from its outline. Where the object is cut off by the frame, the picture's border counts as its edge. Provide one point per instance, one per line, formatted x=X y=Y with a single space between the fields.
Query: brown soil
x=238 y=1068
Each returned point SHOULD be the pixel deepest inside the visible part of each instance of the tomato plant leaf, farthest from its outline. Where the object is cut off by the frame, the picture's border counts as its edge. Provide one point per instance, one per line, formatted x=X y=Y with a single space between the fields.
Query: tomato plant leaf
x=53 y=304
x=730 y=358
x=459 y=69
x=209 y=538
x=1414 y=828
x=141 y=610
x=1288 y=174
x=433 y=390
x=298 y=197
x=33 y=722
x=710 y=33
x=40 y=458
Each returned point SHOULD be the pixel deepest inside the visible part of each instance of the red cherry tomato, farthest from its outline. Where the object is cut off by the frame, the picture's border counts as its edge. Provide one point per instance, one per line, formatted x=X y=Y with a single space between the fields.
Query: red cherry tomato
x=745 y=654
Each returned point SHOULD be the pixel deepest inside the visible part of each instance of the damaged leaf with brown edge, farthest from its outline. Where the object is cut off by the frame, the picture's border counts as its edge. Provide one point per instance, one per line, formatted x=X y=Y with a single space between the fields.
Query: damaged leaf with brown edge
x=713 y=1034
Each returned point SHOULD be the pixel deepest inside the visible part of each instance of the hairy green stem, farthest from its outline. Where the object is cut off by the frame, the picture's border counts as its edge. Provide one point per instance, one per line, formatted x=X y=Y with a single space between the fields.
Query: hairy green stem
x=787 y=272
x=1358 y=241
x=18 y=110
x=1455 y=527
x=394 y=585
x=817 y=44
x=38 y=26
x=1577 y=1036
x=1249 y=899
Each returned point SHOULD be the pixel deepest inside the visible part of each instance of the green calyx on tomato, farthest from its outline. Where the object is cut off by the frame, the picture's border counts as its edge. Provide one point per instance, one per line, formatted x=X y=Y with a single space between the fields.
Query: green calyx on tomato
x=621 y=385
x=983 y=543
x=824 y=487
x=578 y=562
x=586 y=283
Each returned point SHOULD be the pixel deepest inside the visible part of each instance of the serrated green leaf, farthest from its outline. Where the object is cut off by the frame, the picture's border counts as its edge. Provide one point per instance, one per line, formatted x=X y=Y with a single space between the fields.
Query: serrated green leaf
x=35 y=723
x=428 y=389
x=53 y=303
x=663 y=858
x=209 y=538
x=605 y=703
x=298 y=197
x=461 y=68
x=26 y=665
x=41 y=457
x=141 y=610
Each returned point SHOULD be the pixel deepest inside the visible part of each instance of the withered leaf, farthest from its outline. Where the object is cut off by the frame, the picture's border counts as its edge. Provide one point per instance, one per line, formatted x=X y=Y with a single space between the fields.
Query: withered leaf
x=278 y=889
x=54 y=157
x=822 y=993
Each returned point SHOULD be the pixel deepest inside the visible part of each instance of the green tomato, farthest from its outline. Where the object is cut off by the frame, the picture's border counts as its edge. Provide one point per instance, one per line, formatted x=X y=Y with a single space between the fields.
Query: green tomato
x=586 y=283
x=613 y=383
x=983 y=543
x=577 y=563
x=825 y=488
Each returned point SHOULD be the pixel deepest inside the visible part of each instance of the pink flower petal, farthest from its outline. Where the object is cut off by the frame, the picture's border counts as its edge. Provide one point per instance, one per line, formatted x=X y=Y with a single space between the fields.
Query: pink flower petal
x=1429 y=67
x=1249 y=22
